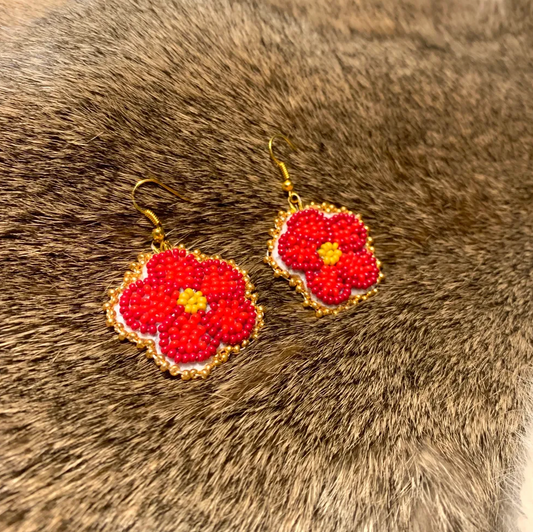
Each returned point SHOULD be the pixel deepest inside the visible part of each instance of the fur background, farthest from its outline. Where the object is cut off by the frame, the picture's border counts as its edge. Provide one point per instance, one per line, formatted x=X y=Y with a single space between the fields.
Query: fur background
x=406 y=413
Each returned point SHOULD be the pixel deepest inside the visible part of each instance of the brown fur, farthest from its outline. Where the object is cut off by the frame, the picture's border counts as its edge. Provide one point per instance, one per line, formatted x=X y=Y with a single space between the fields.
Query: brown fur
x=17 y=13
x=403 y=414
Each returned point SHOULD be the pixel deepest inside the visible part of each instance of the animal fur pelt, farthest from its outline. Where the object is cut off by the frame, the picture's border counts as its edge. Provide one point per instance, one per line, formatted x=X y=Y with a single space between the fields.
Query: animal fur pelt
x=404 y=414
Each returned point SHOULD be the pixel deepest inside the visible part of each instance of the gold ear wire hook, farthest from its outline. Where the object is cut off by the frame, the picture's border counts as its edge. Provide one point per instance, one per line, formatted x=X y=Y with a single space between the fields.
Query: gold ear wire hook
x=271 y=142
x=281 y=165
x=158 y=234
x=294 y=200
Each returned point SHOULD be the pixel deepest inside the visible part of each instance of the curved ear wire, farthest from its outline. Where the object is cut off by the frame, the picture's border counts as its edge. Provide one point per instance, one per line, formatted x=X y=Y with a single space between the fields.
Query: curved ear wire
x=271 y=149
x=148 y=212
x=294 y=200
x=158 y=233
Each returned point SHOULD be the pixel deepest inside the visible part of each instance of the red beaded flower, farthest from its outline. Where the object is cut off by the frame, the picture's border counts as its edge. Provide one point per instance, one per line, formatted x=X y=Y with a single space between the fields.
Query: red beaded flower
x=190 y=307
x=331 y=252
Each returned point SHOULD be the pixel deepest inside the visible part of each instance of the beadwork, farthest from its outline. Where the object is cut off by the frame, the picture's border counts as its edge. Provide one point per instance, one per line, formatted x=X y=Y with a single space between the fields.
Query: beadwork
x=330 y=253
x=326 y=253
x=192 y=301
x=189 y=310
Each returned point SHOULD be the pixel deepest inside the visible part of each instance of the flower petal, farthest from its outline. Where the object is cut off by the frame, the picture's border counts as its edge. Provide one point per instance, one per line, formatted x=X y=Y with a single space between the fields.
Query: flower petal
x=188 y=339
x=328 y=286
x=306 y=232
x=358 y=270
x=348 y=231
x=175 y=268
x=231 y=322
x=221 y=281
x=310 y=224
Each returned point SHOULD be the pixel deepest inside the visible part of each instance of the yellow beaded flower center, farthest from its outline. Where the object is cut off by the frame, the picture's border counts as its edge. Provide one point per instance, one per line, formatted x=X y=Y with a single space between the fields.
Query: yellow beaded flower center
x=330 y=253
x=192 y=301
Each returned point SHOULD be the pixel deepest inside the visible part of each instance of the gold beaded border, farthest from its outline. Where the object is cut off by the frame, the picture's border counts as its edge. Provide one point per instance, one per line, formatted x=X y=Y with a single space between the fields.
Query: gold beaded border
x=219 y=358
x=297 y=283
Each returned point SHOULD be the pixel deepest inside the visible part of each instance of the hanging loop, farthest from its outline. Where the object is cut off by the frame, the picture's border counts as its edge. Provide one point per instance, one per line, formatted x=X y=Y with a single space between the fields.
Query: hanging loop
x=295 y=202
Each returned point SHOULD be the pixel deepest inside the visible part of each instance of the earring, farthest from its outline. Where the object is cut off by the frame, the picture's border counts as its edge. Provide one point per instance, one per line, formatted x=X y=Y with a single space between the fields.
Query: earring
x=324 y=251
x=188 y=310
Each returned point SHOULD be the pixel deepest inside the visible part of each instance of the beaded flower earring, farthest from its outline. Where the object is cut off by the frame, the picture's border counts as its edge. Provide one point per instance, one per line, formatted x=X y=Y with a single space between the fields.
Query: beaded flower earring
x=188 y=310
x=324 y=251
